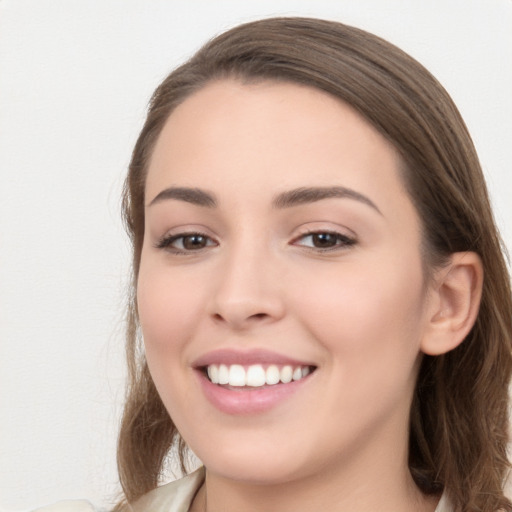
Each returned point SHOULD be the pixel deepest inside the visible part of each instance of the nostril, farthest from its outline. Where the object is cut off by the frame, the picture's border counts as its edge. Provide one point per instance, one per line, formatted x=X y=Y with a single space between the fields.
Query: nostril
x=243 y=312
x=258 y=316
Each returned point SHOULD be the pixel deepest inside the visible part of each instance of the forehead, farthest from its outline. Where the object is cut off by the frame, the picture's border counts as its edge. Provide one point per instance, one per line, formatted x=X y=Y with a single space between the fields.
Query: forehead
x=269 y=136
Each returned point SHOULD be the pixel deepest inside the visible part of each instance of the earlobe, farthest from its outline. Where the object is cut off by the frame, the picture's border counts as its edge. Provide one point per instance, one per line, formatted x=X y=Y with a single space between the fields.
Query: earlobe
x=455 y=300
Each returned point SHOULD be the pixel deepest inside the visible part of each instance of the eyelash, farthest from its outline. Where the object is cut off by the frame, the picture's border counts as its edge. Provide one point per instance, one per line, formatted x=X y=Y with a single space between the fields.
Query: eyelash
x=166 y=242
x=341 y=242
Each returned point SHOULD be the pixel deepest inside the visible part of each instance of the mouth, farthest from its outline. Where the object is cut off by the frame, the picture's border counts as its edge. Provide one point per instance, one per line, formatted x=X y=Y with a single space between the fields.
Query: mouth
x=255 y=375
x=248 y=382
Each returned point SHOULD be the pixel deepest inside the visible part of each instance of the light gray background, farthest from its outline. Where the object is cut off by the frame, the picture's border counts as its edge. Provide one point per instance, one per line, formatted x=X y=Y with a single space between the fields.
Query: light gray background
x=75 y=77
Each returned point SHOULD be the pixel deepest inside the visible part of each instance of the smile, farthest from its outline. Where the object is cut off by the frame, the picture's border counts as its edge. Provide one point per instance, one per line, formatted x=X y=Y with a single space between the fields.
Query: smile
x=247 y=382
x=255 y=375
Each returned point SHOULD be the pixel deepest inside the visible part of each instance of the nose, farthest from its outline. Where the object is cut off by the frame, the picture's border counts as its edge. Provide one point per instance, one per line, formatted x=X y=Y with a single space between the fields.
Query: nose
x=247 y=290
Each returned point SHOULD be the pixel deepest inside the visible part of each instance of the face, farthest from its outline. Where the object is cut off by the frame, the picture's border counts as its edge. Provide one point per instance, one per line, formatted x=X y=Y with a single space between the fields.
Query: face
x=281 y=293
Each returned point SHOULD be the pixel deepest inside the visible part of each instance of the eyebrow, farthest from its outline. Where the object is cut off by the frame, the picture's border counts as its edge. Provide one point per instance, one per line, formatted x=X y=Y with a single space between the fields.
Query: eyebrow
x=189 y=195
x=288 y=199
x=305 y=195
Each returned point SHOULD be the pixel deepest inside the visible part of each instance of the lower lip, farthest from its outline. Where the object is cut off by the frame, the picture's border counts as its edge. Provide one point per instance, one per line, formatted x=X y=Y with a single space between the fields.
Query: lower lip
x=248 y=401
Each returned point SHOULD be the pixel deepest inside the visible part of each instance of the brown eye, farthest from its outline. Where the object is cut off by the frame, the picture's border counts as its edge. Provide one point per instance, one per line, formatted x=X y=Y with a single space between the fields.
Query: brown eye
x=325 y=240
x=185 y=243
x=194 y=242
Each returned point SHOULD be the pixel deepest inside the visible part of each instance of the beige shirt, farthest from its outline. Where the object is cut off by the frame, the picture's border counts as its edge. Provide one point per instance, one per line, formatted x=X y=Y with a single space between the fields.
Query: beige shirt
x=174 y=497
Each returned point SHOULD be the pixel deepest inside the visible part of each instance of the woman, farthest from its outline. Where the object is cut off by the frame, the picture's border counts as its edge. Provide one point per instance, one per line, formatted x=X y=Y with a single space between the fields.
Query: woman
x=253 y=124
x=319 y=285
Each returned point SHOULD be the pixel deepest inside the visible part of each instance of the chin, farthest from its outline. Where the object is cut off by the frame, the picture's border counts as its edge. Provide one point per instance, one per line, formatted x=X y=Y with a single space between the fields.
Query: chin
x=256 y=465
x=254 y=473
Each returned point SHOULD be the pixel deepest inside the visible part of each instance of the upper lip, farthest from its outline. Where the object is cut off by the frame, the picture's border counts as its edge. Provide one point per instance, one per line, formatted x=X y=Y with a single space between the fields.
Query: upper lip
x=246 y=357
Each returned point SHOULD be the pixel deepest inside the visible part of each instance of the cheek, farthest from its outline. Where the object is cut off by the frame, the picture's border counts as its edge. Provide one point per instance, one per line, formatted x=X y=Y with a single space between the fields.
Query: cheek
x=370 y=326
x=167 y=306
x=366 y=312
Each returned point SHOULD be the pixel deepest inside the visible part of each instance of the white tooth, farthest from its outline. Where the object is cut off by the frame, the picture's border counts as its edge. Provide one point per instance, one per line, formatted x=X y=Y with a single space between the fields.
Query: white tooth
x=237 y=375
x=272 y=375
x=286 y=374
x=213 y=373
x=223 y=374
x=255 y=375
x=297 y=373
x=305 y=371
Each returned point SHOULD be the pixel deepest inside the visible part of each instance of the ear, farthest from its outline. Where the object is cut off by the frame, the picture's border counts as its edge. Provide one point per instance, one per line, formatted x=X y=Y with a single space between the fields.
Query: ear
x=454 y=301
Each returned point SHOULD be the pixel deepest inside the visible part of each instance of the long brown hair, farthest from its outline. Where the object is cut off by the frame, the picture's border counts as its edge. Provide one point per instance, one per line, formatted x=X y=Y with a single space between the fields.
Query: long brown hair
x=458 y=420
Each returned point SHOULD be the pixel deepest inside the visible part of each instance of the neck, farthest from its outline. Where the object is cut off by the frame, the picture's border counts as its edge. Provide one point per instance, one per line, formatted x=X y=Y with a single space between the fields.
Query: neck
x=368 y=488
x=370 y=474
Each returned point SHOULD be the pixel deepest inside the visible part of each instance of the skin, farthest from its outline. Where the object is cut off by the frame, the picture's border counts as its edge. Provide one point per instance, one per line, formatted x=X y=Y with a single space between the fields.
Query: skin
x=360 y=312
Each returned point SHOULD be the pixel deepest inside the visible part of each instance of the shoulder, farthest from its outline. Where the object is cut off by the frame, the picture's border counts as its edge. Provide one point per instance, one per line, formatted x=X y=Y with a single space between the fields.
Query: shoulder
x=176 y=496
x=173 y=497
x=444 y=504
x=68 y=506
